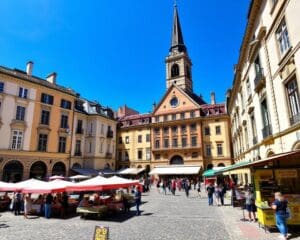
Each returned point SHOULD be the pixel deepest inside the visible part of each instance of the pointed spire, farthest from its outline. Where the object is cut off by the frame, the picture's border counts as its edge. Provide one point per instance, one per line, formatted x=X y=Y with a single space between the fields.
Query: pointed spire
x=177 y=38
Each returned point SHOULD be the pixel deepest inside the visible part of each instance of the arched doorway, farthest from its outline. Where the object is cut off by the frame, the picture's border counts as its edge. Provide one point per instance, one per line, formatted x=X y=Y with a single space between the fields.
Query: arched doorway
x=59 y=168
x=209 y=166
x=76 y=165
x=13 y=171
x=176 y=160
x=38 y=170
x=221 y=165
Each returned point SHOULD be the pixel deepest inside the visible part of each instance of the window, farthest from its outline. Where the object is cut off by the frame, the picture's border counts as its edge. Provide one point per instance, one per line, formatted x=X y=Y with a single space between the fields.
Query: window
x=120 y=155
x=166 y=142
x=147 y=137
x=174 y=102
x=127 y=139
x=79 y=129
x=140 y=138
x=175 y=142
x=206 y=131
x=156 y=131
x=157 y=156
x=120 y=140
x=126 y=155
x=48 y=99
x=293 y=99
x=101 y=146
x=283 y=38
x=182 y=115
x=45 y=116
x=175 y=70
x=194 y=141
x=254 y=131
x=64 y=121
x=157 y=144
x=102 y=129
x=218 y=130
x=17 y=140
x=78 y=148
x=174 y=129
x=165 y=118
x=20 y=115
x=23 y=92
x=183 y=142
x=183 y=129
x=208 y=150
x=220 y=149
x=1 y=87
x=166 y=130
x=266 y=131
x=248 y=86
x=173 y=116
x=65 y=104
x=42 y=144
x=194 y=154
x=193 y=127
x=62 y=144
x=148 y=154
x=89 y=147
x=192 y=114
x=140 y=154
x=157 y=119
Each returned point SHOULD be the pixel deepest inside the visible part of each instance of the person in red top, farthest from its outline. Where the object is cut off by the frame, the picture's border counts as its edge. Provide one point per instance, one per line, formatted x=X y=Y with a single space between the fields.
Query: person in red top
x=173 y=186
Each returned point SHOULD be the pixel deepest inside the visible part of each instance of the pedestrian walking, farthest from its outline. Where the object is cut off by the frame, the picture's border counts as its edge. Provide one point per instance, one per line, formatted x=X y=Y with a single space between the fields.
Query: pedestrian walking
x=218 y=195
x=186 y=186
x=17 y=203
x=27 y=205
x=280 y=205
x=250 y=205
x=222 y=194
x=173 y=186
x=210 y=191
x=48 y=204
x=64 y=205
x=137 y=198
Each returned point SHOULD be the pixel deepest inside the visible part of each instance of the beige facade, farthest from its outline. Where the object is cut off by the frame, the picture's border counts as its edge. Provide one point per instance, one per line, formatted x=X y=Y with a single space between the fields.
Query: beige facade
x=264 y=100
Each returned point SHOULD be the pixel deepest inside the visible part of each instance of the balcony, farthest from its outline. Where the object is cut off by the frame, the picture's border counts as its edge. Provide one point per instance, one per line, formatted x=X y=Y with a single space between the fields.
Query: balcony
x=267 y=131
x=295 y=119
x=110 y=134
x=79 y=131
x=108 y=155
x=176 y=147
x=259 y=80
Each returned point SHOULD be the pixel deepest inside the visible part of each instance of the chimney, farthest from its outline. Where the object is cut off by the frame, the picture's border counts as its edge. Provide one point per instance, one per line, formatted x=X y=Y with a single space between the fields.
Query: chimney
x=52 y=78
x=29 y=67
x=212 y=98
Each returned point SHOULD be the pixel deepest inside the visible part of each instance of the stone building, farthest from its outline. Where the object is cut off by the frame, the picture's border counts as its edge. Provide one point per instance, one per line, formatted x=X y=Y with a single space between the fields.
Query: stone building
x=264 y=100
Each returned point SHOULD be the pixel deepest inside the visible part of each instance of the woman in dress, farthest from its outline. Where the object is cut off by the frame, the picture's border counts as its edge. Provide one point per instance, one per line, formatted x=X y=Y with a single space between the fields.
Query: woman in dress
x=27 y=205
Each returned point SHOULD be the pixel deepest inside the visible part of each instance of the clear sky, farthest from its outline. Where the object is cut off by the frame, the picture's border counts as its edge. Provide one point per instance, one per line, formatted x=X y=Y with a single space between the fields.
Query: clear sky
x=113 y=51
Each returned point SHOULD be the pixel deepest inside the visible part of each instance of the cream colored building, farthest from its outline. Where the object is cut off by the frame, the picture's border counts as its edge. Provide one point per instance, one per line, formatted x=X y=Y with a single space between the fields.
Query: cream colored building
x=94 y=138
x=264 y=100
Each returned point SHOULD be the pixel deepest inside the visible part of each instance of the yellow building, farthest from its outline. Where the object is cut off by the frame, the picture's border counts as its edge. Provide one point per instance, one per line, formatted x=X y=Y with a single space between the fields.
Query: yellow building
x=134 y=141
x=36 y=119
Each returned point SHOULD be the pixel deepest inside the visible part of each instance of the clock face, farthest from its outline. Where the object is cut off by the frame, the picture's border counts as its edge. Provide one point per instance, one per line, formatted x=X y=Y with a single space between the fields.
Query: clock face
x=174 y=102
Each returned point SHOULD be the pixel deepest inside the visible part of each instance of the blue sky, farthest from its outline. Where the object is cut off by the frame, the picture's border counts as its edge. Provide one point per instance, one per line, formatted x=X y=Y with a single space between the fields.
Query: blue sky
x=113 y=51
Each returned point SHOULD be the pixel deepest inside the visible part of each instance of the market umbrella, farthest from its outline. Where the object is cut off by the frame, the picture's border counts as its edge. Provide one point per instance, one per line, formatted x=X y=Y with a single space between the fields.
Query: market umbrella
x=48 y=187
x=93 y=184
x=56 y=177
x=7 y=187
x=118 y=182
x=32 y=183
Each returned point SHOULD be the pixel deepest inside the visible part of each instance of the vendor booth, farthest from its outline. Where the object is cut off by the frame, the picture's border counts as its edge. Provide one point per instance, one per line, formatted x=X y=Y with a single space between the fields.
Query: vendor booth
x=278 y=173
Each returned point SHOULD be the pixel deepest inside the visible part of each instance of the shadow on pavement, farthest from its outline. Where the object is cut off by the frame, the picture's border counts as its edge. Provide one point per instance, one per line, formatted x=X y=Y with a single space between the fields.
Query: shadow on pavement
x=3 y=225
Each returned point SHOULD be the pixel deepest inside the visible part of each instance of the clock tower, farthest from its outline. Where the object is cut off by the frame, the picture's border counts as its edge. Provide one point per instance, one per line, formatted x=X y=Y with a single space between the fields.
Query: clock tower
x=178 y=63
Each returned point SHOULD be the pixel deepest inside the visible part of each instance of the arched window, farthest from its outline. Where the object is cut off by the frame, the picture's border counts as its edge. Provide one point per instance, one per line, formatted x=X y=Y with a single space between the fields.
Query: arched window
x=175 y=70
x=221 y=165
x=188 y=72
x=13 y=171
x=176 y=160
x=38 y=170
x=59 y=169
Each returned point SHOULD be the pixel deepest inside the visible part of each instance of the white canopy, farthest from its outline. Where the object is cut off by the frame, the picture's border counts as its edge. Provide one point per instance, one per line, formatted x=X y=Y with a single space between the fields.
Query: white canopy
x=78 y=177
x=48 y=187
x=131 y=171
x=175 y=170
x=4 y=186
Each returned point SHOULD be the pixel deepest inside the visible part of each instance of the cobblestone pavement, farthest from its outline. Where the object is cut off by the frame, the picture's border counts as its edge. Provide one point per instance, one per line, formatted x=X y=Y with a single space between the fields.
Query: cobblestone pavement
x=163 y=217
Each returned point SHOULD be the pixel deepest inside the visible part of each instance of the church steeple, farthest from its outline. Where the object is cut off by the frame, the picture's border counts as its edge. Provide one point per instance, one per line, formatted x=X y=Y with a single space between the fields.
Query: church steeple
x=177 y=42
x=178 y=62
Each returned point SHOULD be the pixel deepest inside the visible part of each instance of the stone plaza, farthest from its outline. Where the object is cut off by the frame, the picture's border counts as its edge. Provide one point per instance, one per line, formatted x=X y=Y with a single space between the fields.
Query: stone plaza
x=163 y=217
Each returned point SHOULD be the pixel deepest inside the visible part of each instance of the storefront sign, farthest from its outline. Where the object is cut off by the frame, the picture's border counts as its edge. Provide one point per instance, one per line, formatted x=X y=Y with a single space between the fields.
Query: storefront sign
x=287 y=173
x=101 y=233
